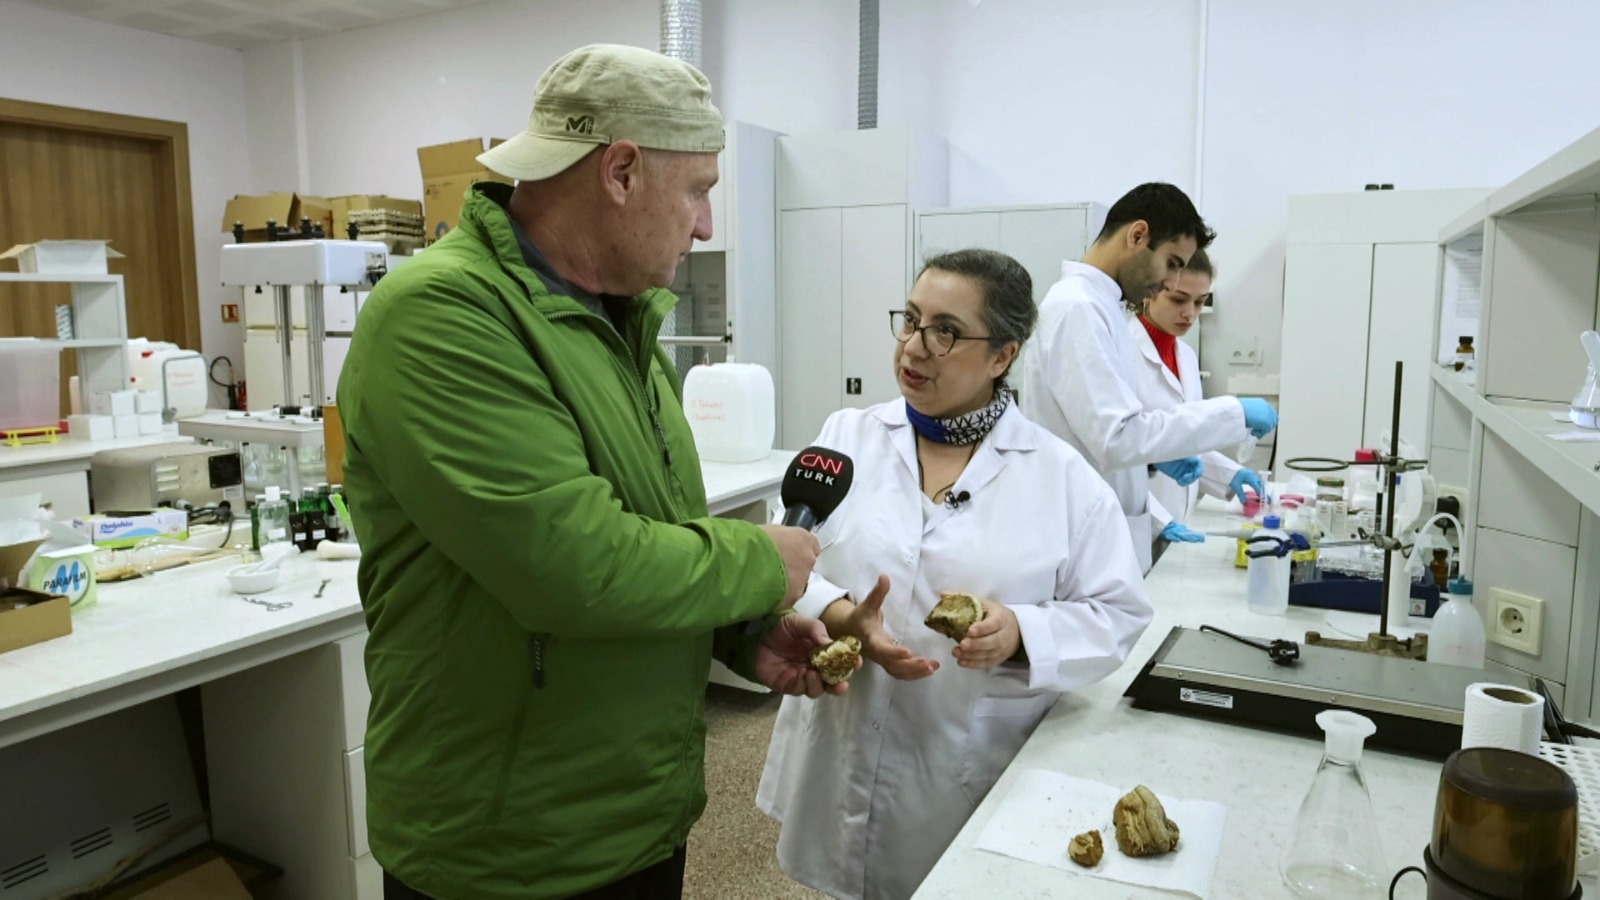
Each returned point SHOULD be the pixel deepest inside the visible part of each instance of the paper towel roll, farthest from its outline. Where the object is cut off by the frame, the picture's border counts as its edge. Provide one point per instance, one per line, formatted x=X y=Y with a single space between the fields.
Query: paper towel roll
x=1496 y=715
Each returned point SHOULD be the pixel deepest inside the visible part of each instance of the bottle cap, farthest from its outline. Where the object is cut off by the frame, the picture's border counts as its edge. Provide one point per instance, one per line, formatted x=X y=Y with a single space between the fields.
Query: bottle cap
x=273 y=494
x=1271 y=522
x=1461 y=587
x=1344 y=734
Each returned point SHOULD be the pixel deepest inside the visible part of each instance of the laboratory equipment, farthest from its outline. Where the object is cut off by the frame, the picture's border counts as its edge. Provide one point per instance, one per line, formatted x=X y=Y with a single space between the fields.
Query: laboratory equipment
x=1418 y=707
x=311 y=265
x=1457 y=636
x=286 y=448
x=1505 y=825
x=1333 y=511
x=166 y=475
x=1585 y=409
x=1334 y=849
x=1268 y=588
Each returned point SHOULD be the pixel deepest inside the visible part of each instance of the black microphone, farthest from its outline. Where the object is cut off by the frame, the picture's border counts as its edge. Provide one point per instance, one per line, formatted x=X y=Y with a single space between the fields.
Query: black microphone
x=816 y=484
x=955 y=500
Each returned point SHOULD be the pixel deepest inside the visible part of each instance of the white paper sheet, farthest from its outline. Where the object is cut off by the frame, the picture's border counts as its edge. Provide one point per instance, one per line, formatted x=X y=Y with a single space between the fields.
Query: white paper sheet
x=1043 y=810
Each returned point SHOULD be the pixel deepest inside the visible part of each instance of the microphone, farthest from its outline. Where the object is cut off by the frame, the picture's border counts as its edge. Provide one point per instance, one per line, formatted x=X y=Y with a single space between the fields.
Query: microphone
x=816 y=484
x=954 y=500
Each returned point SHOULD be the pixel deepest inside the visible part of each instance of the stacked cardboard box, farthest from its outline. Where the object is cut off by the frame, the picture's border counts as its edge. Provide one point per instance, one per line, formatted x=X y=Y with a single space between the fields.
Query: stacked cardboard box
x=401 y=231
x=447 y=171
x=284 y=208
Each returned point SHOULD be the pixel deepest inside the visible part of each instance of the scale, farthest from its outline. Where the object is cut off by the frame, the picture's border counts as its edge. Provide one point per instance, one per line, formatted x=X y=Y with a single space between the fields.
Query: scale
x=1416 y=705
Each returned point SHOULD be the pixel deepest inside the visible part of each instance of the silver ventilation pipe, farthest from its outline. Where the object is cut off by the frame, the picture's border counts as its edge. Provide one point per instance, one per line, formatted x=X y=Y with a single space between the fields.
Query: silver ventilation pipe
x=680 y=30
x=867 y=73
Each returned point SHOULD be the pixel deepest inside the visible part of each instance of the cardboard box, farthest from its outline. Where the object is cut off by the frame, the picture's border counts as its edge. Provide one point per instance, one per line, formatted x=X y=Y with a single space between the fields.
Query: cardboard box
x=125 y=529
x=114 y=403
x=343 y=205
x=28 y=617
x=91 y=428
x=284 y=208
x=447 y=171
x=63 y=257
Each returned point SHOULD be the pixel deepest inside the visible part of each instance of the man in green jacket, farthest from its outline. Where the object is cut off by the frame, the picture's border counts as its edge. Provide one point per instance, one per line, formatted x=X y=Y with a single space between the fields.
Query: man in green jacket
x=542 y=582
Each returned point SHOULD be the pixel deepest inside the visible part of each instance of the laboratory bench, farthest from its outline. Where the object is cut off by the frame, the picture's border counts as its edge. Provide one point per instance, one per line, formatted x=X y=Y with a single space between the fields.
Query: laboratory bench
x=1259 y=775
x=282 y=691
x=60 y=471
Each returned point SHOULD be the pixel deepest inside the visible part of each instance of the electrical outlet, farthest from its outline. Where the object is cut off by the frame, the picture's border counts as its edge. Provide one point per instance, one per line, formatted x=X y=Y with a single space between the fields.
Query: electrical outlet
x=1517 y=621
x=1246 y=354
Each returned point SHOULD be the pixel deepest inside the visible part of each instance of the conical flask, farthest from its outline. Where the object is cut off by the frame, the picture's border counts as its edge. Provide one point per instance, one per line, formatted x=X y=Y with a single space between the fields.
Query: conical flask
x=1334 y=852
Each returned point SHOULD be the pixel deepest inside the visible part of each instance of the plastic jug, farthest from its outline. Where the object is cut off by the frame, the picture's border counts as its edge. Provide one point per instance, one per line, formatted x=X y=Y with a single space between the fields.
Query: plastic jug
x=1268 y=585
x=732 y=411
x=1457 y=636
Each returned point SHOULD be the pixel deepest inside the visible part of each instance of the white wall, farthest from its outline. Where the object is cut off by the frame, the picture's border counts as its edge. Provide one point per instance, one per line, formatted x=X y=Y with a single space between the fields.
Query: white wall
x=47 y=57
x=374 y=95
x=787 y=66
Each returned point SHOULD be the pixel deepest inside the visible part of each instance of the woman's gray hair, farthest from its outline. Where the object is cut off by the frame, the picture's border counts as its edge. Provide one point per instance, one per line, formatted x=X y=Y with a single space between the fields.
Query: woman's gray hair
x=1009 y=312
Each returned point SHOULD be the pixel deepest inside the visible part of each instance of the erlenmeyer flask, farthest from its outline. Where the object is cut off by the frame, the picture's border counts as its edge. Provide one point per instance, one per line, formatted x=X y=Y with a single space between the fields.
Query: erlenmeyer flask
x=1334 y=851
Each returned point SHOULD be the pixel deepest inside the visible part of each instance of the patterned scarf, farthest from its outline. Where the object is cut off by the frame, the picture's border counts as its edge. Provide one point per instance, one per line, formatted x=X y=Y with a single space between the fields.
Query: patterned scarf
x=967 y=428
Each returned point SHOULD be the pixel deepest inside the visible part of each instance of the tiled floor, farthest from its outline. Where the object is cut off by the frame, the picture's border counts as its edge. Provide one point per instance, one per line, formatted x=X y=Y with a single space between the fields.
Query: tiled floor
x=732 y=849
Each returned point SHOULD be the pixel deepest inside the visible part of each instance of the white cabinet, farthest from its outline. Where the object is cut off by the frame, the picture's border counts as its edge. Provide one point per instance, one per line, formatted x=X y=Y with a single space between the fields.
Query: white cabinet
x=1360 y=277
x=844 y=263
x=1038 y=237
x=727 y=287
x=287 y=779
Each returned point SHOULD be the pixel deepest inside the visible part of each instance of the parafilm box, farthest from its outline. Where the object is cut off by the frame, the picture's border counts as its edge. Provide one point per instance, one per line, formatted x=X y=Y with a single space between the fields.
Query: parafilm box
x=116 y=530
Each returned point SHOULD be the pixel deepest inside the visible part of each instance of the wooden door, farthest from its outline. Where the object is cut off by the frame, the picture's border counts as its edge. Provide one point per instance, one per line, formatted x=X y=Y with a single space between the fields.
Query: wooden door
x=67 y=173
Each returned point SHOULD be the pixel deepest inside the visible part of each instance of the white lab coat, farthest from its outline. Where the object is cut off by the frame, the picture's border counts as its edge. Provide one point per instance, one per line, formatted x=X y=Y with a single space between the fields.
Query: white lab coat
x=1079 y=381
x=1159 y=389
x=872 y=787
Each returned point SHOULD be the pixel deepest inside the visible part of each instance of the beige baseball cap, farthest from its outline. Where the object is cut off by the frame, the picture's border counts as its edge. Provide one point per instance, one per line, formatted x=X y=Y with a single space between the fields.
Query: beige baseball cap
x=603 y=93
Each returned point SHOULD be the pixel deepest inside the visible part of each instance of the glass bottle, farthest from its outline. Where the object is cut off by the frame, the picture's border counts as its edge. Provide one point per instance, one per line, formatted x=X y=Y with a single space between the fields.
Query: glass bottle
x=272 y=512
x=1334 y=850
x=1463 y=352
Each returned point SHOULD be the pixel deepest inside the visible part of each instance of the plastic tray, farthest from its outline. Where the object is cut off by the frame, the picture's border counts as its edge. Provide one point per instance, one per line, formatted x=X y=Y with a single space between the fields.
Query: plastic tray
x=1583 y=764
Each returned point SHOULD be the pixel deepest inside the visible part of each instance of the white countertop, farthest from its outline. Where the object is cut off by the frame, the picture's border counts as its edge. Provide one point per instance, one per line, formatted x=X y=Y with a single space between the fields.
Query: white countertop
x=1260 y=776
x=150 y=637
x=72 y=450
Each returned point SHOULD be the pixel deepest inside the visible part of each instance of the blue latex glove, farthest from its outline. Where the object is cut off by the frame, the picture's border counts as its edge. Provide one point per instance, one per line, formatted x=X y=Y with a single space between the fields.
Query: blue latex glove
x=1184 y=471
x=1177 y=533
x=1259 y=416
x=1247 y=479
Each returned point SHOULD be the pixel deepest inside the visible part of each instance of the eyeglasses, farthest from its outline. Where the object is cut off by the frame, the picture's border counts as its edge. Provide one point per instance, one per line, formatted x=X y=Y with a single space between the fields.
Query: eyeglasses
x=936 y=339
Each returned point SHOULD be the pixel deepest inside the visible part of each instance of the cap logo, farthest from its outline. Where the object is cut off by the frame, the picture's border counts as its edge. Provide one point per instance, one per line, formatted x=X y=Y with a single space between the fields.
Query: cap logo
x=580 y=124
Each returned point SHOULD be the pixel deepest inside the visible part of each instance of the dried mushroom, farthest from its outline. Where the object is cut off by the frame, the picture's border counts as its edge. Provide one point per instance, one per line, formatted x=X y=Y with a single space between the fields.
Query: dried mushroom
x=837 y=661
x=1143 y=828
x=1086 y=849
x=954 y=615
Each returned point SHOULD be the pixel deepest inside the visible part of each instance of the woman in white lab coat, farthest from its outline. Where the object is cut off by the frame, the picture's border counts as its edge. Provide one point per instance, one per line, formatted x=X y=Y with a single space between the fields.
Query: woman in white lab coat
x=1168 y=374
x=954 y=491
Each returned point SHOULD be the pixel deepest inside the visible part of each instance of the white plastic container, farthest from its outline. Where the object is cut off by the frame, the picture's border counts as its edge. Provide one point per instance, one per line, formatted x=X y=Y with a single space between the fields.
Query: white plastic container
x=1457 y=636
x=30 y=383
x=1268 y=586
x=732 y=411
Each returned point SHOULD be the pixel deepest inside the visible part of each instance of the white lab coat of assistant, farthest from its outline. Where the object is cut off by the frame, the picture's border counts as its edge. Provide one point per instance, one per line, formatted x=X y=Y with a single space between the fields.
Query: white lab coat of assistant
x=1159 y=389
x=1079 y=381
x=871 y=787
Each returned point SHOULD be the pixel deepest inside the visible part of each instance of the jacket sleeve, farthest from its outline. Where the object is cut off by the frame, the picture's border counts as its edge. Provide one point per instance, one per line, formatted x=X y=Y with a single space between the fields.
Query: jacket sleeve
x=1085 y=375
x=1100 y=607
x=1216 y=477
x=490 y=465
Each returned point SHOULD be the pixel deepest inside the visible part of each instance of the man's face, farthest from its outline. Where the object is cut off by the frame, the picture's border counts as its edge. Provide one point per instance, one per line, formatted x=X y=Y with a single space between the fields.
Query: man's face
x=673 y=211
x=1150 y=269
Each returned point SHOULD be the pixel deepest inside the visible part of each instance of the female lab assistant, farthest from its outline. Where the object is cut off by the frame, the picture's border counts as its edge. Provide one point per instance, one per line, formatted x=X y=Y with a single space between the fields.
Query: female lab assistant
x=954 y=491
x=1168 y=374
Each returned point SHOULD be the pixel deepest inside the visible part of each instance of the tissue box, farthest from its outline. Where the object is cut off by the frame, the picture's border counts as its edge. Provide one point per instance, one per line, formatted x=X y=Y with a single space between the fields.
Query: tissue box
x=126 y=529
x=91 y=428
x=28 y=617
x=68 y=572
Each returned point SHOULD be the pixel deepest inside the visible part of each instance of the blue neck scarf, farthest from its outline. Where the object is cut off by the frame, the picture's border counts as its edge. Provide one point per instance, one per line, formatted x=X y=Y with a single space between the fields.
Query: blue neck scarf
x=967 y=428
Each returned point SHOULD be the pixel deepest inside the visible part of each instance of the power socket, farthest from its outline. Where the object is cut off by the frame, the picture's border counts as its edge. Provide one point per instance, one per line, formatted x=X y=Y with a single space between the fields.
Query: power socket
x=1516 y=621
